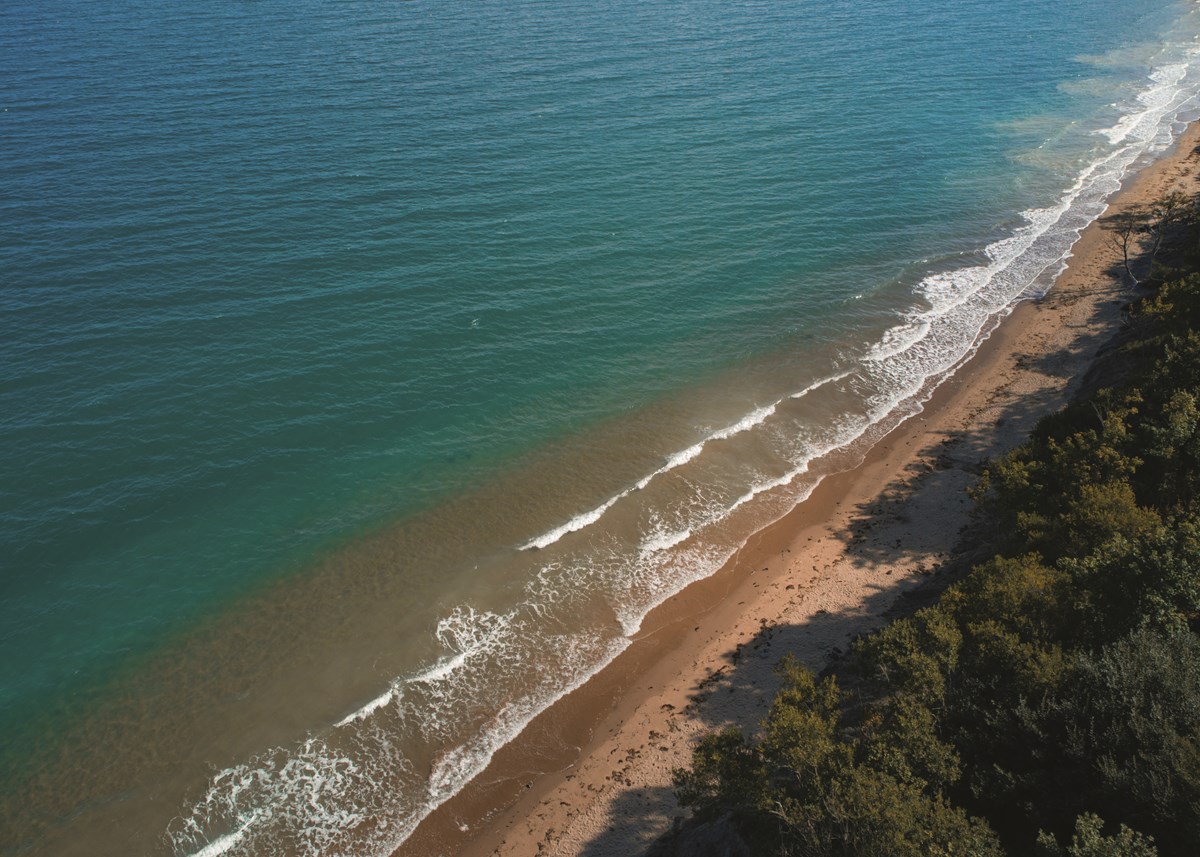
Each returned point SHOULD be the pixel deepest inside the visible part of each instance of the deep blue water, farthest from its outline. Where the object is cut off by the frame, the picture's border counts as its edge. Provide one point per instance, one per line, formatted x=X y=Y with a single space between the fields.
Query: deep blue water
x=278 y=276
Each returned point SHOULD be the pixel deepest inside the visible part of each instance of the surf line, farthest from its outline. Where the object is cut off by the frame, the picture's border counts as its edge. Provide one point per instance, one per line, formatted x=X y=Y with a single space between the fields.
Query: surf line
x=222 y=845
x=680 y=458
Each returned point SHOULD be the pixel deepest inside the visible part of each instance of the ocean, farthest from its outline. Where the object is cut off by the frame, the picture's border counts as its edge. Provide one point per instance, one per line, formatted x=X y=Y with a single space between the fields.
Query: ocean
x=368 y=371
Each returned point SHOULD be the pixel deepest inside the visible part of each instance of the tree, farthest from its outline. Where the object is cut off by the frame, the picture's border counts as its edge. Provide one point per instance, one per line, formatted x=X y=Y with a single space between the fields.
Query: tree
x=1142 y=228
x=1089 y=841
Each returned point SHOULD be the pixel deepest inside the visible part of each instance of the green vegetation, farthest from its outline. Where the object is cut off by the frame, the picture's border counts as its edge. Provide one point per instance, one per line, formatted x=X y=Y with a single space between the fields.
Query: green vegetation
x=1049 y=702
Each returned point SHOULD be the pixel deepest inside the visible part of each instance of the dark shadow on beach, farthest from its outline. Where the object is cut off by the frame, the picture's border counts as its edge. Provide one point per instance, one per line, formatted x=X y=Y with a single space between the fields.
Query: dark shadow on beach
x=638 y=819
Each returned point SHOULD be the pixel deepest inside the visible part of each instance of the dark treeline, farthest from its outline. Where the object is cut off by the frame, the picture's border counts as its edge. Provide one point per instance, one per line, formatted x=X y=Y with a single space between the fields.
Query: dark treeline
x=1049 y=702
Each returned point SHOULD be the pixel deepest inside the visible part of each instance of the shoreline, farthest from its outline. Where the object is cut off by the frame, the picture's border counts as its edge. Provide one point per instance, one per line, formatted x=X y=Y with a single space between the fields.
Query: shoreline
x=591 y=774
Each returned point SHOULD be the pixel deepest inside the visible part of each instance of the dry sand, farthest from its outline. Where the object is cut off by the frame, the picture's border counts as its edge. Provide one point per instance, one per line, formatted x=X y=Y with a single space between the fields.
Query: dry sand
x=859 y=547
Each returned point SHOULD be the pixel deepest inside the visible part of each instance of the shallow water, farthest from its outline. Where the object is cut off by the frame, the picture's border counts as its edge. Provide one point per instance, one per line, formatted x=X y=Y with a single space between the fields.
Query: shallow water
x=370 y=372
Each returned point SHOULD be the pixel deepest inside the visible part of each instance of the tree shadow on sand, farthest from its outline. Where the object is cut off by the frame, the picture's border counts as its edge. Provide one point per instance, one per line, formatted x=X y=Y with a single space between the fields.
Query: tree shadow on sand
x=639 y=817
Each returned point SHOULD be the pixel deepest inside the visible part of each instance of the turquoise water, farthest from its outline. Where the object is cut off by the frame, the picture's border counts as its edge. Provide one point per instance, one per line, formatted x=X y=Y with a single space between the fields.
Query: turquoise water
x=326 y=310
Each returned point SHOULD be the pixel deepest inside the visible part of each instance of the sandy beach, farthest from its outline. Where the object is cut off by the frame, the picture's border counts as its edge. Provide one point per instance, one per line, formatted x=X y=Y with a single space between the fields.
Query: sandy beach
x=592 y=775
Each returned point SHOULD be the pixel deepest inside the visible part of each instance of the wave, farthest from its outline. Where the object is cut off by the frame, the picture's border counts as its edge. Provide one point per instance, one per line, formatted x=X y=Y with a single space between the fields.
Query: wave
x=1156 y=99
x=355 y=789
x=582 y=520
x=227 y=842
x=898 y=339
x=1026 y=263
x=370 y=708
x=678 y=459
x=665 y=541
x=816 y=385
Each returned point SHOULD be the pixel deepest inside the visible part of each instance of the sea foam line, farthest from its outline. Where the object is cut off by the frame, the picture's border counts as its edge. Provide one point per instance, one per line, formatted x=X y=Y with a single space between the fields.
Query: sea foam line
x=370 y=708
x=882 y=418
x=465 y=763
x=1166 y=77
x=949 y=291
x=230 y=840
x=754 y=418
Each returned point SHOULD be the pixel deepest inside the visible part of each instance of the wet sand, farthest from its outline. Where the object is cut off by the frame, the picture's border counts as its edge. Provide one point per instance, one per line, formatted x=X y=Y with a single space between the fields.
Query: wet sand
x=592 y=775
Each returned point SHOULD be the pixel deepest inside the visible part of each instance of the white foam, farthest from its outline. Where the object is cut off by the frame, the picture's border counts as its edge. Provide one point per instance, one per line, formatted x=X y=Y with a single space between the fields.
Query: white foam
x=762 y=487
x=440 y=671
x=676 y=460
x=1156 y=99
x=752 y=419
x=318 y=798
x=672 y=574
x=899 y=339
x=370 y=708
x=230 y=840
x=576 y=523
x=462 y=764
x=1028 y=261
x=665 y=541
x=467 y=632
x=669 y=574
x=816 y=385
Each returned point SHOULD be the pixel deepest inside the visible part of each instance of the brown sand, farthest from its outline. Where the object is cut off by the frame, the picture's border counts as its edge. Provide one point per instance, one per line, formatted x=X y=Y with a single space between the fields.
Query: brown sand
x=830 y=570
